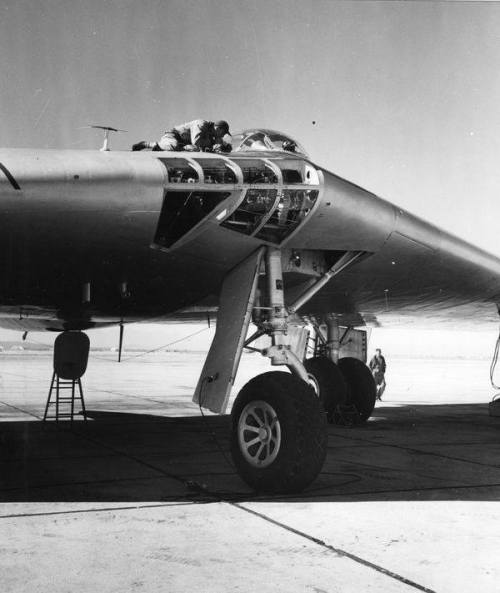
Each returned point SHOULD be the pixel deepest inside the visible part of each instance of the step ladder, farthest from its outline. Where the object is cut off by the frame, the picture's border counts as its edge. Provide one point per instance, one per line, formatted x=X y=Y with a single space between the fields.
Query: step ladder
x=67 y=409
x=71 y=353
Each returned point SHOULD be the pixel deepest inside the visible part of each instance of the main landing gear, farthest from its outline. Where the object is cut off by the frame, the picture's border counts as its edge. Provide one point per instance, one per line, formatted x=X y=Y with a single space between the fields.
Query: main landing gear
x=279 y=419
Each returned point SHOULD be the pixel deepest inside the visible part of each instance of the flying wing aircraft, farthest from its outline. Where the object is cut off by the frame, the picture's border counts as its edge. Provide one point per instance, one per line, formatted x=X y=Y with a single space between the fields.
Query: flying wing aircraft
x=93 y=238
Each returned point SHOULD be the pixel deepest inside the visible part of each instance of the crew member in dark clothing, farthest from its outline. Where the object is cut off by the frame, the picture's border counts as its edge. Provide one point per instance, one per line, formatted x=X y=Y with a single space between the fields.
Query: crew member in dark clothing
x=378 y=368
x=196 y=135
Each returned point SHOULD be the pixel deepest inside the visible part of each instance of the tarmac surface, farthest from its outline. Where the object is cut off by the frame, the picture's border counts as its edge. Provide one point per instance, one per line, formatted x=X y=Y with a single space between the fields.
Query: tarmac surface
x=144 y=497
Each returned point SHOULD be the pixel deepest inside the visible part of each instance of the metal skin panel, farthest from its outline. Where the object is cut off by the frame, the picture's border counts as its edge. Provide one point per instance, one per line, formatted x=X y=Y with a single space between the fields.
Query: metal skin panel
x=354 y=344
x=74 y=217
x=348 y=218
x=59 y=231
x=407 y=282
x=235 y=310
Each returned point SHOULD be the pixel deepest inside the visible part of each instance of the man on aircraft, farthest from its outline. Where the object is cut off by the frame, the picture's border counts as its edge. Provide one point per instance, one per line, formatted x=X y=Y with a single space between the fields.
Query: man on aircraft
x=196 y=135
x=378 y=367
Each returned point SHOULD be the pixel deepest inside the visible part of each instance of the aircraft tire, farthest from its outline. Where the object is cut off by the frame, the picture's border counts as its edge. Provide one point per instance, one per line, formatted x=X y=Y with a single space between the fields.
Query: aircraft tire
x=361 y=388
x=281 y=413
x=330 y=383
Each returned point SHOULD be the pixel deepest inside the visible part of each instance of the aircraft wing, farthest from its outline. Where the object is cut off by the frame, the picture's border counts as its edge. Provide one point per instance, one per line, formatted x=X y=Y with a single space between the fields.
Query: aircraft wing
x=93 y=238
x=412 y=271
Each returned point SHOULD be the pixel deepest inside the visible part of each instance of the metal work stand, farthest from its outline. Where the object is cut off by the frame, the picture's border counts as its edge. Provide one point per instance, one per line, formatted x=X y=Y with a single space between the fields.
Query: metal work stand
x=57 y=385
x=71 y=353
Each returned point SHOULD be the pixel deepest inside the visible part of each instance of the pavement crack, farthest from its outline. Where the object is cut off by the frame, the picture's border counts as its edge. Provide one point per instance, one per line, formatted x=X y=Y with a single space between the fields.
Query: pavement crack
x=339 y=551
x=98 y=510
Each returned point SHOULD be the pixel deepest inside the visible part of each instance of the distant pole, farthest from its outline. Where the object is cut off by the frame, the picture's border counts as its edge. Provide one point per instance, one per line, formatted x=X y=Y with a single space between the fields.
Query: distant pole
x=120 y=343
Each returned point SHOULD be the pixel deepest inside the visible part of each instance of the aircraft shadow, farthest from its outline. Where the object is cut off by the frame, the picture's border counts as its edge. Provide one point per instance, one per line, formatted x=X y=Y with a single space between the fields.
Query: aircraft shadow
x=410 y=452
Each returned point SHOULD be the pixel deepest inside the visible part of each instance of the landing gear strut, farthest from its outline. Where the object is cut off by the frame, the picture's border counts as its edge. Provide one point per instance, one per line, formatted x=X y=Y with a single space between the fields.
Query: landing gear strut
x=279 y=437
x=279 y=428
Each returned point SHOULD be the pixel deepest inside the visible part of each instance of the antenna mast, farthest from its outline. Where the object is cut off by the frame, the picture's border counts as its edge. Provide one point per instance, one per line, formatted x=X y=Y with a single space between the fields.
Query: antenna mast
x=107 y=130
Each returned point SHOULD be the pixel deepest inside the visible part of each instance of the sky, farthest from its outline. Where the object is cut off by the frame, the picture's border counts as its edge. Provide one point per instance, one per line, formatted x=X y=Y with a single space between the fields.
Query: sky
x=399 y=97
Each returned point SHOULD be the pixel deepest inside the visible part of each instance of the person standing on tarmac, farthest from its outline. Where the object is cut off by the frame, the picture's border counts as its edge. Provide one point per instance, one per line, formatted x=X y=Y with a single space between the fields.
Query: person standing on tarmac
x=378 y=368
x=196 y=135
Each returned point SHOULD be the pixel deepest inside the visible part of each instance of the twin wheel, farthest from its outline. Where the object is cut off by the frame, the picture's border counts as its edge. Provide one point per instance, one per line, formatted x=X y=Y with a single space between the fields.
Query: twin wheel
x=279 y=422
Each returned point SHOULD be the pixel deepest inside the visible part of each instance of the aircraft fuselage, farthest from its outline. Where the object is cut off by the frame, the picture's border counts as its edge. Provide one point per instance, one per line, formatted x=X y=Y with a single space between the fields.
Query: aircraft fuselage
x=90 y=237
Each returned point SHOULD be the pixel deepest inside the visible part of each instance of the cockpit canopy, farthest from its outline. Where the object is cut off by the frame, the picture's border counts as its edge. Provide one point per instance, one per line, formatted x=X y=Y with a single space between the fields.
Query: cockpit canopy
x=258 y=139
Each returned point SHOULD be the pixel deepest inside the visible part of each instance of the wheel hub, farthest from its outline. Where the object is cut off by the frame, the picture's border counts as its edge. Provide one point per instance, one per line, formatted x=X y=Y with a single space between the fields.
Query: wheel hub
x=259 y=433
x=264 y=434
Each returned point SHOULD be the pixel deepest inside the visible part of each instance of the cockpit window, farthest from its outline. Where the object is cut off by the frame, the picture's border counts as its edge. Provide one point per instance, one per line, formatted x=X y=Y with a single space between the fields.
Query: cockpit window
x=293 y=206
x=180 y=170
x=216 y=171
x=257 y=139
x=291 y=174
x=297 y=171
x=182 y=211
x=252 y=211
x=257 y=171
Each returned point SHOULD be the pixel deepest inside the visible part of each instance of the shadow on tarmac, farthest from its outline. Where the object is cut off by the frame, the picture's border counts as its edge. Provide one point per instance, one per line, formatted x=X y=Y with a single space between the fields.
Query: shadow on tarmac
x=407 y=452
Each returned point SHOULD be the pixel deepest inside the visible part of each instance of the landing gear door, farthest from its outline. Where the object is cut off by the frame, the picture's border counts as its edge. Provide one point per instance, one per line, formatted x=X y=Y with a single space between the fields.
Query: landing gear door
x=235 y=311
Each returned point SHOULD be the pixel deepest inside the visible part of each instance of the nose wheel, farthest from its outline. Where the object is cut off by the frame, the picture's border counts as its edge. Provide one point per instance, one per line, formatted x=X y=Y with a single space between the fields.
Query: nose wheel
x=279 y=433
